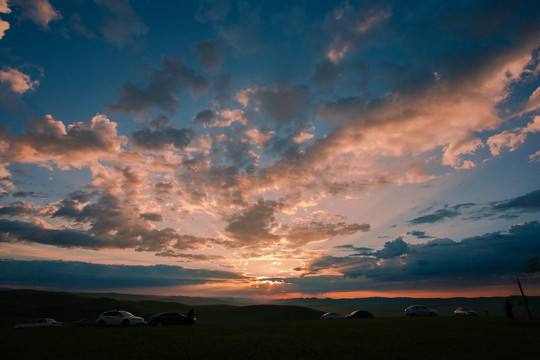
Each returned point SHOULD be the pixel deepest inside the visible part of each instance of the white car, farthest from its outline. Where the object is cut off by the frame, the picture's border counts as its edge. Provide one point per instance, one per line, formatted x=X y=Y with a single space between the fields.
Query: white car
x=40 y=323
x=119 y=318
x=463 y=311
x=420 y=310
x=331 y=316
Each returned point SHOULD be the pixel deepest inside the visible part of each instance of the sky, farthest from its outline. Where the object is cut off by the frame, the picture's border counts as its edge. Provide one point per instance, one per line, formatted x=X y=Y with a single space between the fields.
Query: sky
x=270 y=149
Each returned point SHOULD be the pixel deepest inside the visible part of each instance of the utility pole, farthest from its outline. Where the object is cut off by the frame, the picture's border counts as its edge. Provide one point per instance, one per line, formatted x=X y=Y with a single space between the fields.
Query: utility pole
x=524 y=299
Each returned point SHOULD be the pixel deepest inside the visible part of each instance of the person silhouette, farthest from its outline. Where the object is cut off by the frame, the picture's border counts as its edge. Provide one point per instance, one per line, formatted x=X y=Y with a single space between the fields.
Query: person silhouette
x=508 y=309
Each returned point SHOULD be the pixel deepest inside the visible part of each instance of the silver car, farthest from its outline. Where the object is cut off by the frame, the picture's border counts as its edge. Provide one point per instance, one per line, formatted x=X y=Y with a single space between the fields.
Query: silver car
x=463 y=311
x=40 y=323
x=119 y=318
x=331 y=316
x=420 y=310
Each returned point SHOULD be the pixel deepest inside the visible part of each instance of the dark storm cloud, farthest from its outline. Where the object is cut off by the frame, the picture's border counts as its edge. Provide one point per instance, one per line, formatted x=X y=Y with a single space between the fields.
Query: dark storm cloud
x=210 y=54
x=161 y=138
x=162 y=89
x=489 y=259
x=81 y=276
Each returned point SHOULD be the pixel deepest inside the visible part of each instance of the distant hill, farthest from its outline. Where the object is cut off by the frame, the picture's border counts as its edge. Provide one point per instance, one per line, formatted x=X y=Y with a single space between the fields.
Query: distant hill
x=70 y=307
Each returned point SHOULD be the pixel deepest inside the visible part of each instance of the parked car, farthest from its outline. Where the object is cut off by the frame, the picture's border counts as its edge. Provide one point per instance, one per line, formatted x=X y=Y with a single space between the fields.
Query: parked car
x=463 y=311
x=171 y=318
x=420 y=310
x=119 y=318
x=331 y=316
x=84 y=323
x=40 y=323
x=359 y=314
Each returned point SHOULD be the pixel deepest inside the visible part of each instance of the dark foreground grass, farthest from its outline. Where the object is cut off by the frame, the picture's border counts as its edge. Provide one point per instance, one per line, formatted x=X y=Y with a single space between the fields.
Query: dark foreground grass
x=379 y=338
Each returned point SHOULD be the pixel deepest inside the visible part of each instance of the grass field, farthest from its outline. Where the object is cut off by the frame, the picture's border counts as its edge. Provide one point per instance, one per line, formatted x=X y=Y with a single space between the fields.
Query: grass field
x=379 y=338
x=266 y=331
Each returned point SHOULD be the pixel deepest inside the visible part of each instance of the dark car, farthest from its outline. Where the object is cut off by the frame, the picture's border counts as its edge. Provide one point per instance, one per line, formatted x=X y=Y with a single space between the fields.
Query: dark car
x=84 y=323
x=359 y=314
x=172 y=318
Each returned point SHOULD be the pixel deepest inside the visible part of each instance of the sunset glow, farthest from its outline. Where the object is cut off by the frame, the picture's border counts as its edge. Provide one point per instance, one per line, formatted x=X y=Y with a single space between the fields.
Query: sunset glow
x=269 y=149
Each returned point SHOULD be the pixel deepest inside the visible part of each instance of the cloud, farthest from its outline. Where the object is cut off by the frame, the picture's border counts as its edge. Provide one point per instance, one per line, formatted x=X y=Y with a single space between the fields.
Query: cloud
x=69 y=275
x=48 y=140
x=205 y=116
x=212 y=11
x=419 y=234
x=284 y=103
x=347 y=28
x=253 y=227
x=210 y=54
x=152 y=217
x=13 y=231
x=257 y=227
x=511 y=139
x=122 y=26
x=17 y=81
x=162 y=89
x=75 y=21
x=529 y=202
x=526 y=203
x=119 y=222
x=190 y=257
x=162 y=138
x=327 y=74
x=316 y=231
x=4 y=26
x=40 y=12
x=489 y=259
x=4 y=7
x=438 y=216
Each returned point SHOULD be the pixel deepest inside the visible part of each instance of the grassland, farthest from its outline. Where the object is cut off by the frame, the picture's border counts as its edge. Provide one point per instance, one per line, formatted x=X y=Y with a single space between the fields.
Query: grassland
x=259 y=332
x=379 y=338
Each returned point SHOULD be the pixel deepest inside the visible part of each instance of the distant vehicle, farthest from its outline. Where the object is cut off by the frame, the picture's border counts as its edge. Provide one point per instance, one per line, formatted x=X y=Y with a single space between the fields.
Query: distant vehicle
x=40 y=323
x=331 y=316
x=172 y=318
x=463 y=311
x=359 y=314
x=84 y=323
x=420 y=310
x=119 y=318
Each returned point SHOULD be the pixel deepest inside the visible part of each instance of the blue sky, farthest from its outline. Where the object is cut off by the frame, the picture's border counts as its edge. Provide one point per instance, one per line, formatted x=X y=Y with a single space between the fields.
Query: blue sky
x=269 y=149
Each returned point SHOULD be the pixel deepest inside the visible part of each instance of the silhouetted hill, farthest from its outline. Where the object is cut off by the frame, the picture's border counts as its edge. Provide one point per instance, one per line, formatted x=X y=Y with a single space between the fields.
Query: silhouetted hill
x=70 y=307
